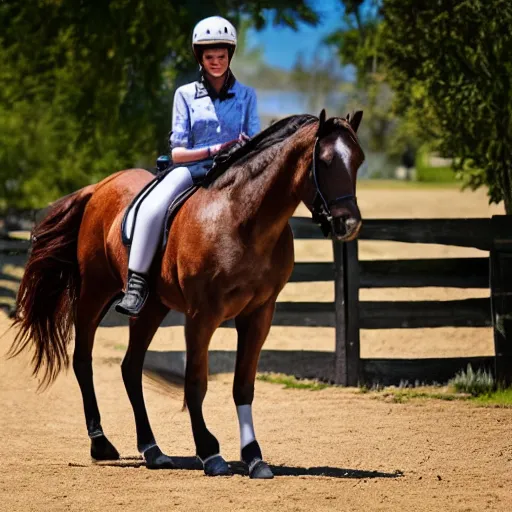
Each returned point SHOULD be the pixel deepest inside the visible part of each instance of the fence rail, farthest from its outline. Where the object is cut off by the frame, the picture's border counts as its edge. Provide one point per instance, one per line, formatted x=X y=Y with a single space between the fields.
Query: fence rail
x=13 y=246
x=445 y=272
x=460 y=232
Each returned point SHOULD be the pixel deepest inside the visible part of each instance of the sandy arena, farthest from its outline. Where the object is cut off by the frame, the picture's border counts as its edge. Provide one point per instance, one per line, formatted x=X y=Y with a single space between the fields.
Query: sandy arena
x=334 y=449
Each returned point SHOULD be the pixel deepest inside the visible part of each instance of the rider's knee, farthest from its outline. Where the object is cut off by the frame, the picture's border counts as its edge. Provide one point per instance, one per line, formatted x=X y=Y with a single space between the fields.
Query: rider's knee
x=181 y=174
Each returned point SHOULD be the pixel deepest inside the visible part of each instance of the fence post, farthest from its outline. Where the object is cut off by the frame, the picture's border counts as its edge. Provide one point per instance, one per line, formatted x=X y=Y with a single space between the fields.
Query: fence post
x=500 y=273
x=346 y=297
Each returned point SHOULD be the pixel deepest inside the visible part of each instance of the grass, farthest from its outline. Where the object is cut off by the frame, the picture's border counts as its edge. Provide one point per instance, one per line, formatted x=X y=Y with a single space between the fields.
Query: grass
x=427 y=176
x=291 y=382
x=404 y=394
x=469 y=386
x=478 y=387
x=426 y=173
x=499 y=398
x=375 y=184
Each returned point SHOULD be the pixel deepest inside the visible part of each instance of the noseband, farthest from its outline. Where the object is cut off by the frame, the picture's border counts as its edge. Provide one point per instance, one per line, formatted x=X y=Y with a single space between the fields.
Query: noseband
x=321 y=208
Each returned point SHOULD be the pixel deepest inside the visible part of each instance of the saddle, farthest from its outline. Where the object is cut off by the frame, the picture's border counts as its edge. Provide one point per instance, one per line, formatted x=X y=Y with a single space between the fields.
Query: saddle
x=220 y=163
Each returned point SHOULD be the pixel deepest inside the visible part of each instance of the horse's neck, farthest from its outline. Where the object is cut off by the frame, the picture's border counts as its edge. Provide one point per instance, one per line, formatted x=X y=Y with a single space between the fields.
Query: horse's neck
x=271 y=199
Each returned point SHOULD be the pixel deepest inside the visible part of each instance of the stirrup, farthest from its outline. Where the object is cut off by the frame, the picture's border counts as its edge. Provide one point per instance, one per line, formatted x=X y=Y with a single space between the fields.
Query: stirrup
x=137 y=291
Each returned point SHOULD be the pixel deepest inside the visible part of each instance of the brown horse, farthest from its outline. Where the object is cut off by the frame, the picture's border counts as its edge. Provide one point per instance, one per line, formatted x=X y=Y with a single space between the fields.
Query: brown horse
x=230 y=253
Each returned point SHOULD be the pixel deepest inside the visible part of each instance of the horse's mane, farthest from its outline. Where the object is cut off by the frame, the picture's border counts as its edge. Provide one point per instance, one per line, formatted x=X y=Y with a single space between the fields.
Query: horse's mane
x=245 y=153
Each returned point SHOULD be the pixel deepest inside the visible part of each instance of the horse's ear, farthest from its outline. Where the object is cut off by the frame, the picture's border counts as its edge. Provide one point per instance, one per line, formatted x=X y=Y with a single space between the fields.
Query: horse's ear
x=322 y=118
x=356 y=120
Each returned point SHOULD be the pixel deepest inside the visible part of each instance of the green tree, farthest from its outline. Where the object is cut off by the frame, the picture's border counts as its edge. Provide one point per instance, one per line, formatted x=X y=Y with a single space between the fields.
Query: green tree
x=86 y=87
x=450 y=65
x=357 y=41
x=358 y=44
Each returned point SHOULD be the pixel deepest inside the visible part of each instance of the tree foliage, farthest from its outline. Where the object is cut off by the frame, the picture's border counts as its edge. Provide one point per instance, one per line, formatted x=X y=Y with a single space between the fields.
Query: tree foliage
x=450 y=65
x=358 y=44
x=357 y=41
x=86 y=87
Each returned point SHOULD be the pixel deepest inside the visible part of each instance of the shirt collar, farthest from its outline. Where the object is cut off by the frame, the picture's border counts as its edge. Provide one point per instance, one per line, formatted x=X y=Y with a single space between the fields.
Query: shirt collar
x=203 y=88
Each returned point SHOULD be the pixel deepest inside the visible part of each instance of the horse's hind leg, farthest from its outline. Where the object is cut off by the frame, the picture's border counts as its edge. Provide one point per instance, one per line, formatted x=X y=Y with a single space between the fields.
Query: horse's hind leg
x=89 y=310
x=142 y=330
x=198 y=332
x=252 y=332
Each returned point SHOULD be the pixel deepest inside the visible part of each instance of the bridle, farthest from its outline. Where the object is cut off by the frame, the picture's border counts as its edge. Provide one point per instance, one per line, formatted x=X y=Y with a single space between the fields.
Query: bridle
x=321 y=208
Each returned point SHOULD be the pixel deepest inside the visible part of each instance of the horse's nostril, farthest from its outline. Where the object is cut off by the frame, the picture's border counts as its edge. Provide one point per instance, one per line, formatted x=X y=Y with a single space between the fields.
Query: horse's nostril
x=340 y=225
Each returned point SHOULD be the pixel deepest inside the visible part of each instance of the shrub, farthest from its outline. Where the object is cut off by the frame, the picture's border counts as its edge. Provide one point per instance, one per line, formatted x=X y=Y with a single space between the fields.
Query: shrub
x=474 y=383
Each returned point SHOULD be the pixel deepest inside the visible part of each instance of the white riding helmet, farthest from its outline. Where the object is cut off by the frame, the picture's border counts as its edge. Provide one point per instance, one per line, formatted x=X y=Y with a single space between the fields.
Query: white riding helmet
x=214 y=30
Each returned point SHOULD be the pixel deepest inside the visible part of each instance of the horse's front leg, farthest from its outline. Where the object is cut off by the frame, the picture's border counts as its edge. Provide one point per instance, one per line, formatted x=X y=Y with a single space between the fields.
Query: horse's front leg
x=252 y=333
x=198 y=332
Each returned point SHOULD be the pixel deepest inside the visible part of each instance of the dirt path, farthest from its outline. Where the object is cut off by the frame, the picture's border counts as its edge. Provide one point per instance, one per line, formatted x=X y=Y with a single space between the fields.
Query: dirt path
x=332 y=449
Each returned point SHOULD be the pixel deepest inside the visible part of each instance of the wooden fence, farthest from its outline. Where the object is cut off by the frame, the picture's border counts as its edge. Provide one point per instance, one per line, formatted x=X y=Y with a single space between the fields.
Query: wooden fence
x=348 y=315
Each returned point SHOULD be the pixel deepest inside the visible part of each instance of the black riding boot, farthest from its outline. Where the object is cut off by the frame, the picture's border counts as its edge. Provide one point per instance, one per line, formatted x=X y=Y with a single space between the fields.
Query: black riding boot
x=137 y=291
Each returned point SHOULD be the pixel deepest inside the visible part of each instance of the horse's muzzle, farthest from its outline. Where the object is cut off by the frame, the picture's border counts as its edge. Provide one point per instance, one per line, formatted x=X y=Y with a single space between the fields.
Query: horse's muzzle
x=345 y=228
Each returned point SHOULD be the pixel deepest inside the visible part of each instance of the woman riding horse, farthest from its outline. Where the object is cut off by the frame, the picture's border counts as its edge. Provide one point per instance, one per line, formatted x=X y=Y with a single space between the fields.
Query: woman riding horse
x=207 y=116
x=231 y=250
x=231 y=255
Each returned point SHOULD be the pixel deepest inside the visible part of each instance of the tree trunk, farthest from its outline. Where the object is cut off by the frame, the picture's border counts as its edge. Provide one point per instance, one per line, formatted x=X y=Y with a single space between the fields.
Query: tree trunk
x=507 y=190
x=507 y=197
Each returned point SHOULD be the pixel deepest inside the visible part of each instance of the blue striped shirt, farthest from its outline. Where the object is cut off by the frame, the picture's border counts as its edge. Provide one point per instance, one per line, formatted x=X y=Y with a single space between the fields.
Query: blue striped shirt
x=199 y=120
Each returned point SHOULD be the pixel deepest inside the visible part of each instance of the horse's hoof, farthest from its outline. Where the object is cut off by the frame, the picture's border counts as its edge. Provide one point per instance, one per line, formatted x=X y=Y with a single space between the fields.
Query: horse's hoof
x=155 y=459
x=103 y=449
x=260 y=470
x=216 y=466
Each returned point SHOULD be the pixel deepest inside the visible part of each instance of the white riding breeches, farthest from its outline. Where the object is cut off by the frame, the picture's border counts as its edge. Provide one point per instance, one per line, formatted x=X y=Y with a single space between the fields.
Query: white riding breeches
x=151 y=216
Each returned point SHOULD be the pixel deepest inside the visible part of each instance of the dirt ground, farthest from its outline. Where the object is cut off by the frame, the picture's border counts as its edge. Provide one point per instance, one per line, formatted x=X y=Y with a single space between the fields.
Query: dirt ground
x=332 y=449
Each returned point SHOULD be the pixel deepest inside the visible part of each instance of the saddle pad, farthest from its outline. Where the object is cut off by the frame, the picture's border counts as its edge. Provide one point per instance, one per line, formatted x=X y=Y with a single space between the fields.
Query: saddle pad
x=130 y=215
x=173 y=210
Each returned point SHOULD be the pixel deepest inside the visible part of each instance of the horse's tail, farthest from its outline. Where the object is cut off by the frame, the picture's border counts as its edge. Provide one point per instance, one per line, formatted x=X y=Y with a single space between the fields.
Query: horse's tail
x=50 y=286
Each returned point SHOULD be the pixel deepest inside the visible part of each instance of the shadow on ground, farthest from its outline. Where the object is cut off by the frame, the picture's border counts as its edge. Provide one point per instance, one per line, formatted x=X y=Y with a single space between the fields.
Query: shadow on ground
x=169 y=366
x=238 y=468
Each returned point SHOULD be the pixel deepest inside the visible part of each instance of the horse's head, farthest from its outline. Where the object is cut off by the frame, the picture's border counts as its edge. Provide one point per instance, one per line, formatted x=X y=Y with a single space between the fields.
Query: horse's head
x=331 y=191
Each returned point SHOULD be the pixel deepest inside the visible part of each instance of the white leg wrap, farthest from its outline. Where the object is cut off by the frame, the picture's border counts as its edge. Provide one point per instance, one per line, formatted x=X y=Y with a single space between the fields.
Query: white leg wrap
x=151 y=216
x=247 y=434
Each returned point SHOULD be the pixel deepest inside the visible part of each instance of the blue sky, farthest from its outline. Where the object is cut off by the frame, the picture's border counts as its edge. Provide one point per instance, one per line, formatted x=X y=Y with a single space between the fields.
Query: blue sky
x=283 y=45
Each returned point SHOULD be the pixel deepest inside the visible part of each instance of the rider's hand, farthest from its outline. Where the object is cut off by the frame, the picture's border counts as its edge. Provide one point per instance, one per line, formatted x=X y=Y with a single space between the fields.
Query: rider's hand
x=244 y=137
x=219 y=147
